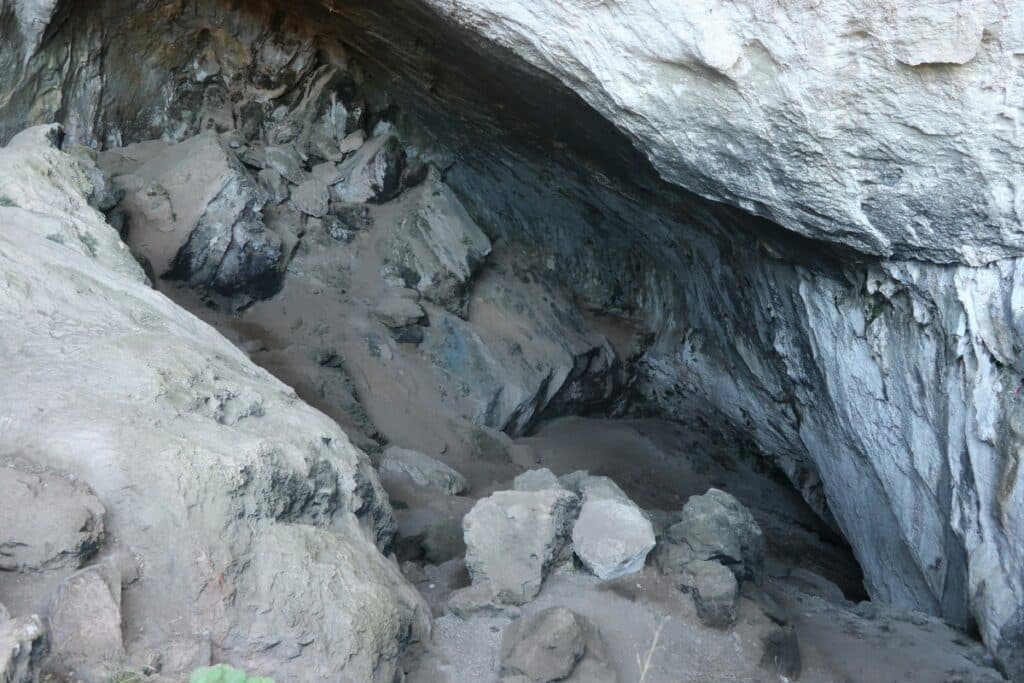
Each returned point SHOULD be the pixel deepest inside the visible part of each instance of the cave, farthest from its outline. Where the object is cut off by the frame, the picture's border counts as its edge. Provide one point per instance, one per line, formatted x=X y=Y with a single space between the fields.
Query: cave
x=304 y=302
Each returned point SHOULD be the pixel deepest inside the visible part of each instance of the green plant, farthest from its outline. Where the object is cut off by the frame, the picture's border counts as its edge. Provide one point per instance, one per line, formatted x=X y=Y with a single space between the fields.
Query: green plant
x=224 y=674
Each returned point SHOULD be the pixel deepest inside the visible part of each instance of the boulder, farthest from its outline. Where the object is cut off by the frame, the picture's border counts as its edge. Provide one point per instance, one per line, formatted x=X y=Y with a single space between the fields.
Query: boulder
x=287 y=162
x=22 y=648
x=715 y=591
x=194 y=214
x=397 y=312
x=543 y=647
x=373 y=173
x=50 y=521
x=258 y=525
x=274 y=185
x=716 y=526
x=85 y=623
x=437 y=248
x=423 y=470
x=513 y=538
x=540 y=479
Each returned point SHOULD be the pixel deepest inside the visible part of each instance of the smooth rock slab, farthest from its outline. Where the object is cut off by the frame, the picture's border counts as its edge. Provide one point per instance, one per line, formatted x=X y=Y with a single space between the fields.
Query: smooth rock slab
x=514 y=537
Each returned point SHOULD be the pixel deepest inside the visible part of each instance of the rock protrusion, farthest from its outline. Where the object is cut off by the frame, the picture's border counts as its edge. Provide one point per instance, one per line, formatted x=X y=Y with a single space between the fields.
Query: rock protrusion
x=611 y=536
x=85 y=621
x=50 y=521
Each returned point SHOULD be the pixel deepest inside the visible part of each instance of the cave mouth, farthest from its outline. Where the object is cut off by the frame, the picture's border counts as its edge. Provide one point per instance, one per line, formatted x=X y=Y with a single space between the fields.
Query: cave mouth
x=444 y=250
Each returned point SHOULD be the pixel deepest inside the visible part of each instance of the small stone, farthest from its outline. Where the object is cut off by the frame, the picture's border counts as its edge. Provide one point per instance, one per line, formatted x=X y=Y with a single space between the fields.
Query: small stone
x=423 y=470
x=536 y=480
x=543 y=647
x=781 y=652
x=714 y=590
x=311 y=198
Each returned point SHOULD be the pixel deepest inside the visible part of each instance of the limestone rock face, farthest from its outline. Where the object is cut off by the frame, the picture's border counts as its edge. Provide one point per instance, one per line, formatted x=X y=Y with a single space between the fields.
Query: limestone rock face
x=831 y=122
x=255 y=522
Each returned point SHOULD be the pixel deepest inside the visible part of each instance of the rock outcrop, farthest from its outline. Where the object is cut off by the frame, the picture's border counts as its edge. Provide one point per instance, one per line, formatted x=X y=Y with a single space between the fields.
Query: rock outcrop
x=877 y=363
x=255 y=523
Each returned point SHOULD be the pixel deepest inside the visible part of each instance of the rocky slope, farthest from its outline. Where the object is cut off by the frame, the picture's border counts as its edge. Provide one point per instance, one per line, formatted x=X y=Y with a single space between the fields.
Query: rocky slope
x=218 y=514
x=877 y=363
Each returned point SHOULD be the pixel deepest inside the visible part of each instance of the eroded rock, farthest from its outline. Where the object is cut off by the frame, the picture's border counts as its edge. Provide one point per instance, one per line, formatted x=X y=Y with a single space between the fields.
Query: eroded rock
x=50 y=521
x=714 y=590
x=373 y=173
x=513 y=538
x=611 y=536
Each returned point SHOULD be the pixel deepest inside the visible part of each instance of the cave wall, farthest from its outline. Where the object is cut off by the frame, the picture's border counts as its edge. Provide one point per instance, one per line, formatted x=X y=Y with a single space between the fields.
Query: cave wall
x=887 y=390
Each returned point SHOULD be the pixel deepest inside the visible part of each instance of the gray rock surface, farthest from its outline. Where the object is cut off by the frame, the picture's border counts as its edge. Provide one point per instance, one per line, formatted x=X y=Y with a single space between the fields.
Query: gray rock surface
x=886 y=386
x=782 y=653
x=714 y=590
x=439 y=249
x=373 y=173
x=513 y=538
x=23 y=646
x=194 y=214
x=543 y=647
x=611 y=536
x=397 y=312
x=717 y=527
x=311 y=198
x=761 y=107
x=85 y=624
x=422 y=469
x=257 y=523
x=49 y=521
x=540 y=479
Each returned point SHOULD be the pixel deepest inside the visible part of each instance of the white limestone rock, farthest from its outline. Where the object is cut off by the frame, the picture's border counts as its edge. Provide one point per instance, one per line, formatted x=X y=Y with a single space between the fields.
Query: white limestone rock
x=886 y=127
